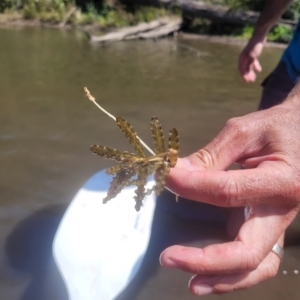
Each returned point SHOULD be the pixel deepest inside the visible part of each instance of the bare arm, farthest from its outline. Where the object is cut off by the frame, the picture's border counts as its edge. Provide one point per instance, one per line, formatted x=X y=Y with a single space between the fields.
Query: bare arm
x=248 y=60
x=268 y=17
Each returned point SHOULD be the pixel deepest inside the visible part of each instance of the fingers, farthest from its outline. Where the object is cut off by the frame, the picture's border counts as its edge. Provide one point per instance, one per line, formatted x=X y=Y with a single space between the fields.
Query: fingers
x=247 y=65
x=236 y=265
x=250 y=75
x=245 y=68
x=248 y=140
x=264 y=184
x=257 y=66
x=255 y=240
x=219 y=259
x=200 y=285
x=248 y=60
x=240 y=137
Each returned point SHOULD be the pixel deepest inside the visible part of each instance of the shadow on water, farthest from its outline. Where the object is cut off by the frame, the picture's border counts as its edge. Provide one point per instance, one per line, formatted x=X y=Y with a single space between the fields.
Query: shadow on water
x=29 y=249
x=171 y=226
x=29 y=245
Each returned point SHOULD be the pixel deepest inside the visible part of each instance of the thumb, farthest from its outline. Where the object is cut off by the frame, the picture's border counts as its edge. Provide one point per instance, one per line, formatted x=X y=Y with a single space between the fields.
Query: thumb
x=201 y=175
x=257 y=65
x=236 y=140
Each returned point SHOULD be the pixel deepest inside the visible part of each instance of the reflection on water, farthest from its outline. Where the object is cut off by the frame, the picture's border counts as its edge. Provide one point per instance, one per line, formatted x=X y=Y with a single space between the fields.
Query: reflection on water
x=46 y=127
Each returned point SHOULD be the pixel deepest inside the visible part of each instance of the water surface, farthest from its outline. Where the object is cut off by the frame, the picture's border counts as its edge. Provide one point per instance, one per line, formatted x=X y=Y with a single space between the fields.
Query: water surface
x=47 y=125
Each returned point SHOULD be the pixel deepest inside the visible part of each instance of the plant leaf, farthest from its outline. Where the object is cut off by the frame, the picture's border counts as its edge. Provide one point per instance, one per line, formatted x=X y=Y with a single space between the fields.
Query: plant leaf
x=107 y=153
x=113 y=154
x=140 y=191
x=134 y=169
x=161 y=176
x=131 y=134
x=173 y=147
x=158 y=136
x=119 y=182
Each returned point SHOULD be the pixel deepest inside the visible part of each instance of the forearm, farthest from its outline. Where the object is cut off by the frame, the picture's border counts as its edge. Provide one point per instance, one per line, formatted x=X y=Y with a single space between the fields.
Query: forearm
x=270 y=14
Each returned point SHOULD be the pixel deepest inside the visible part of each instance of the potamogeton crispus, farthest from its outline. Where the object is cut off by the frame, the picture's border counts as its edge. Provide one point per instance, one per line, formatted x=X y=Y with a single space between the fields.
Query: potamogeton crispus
x=133 y=169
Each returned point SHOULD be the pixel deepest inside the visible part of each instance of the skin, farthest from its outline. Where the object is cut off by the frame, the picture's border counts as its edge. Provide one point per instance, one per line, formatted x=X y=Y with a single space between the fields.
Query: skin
x=249 y=63
x=267 y=145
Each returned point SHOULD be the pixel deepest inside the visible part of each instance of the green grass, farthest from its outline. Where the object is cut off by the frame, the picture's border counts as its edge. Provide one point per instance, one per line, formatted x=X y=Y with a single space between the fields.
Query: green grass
x=281 y=33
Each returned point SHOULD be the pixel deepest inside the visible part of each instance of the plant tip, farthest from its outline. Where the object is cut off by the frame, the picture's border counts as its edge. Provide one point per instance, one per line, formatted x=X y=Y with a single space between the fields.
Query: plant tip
x=88 y=94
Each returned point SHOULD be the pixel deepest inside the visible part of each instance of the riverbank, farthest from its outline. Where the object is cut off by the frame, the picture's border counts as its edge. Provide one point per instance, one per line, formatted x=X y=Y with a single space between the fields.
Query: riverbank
x=199 y=19
x=182 y=35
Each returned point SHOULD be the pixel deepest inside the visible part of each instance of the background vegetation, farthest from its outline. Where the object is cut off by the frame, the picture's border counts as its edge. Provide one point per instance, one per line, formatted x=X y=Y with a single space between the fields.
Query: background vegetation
x=114 y=13
x=106 y=13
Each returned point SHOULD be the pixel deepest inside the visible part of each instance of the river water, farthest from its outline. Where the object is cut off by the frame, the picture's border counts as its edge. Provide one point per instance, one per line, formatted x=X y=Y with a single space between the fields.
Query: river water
x=47 y=125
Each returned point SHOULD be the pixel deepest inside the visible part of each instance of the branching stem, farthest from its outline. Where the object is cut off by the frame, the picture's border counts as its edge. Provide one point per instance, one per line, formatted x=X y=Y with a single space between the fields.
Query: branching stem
x=91 y=98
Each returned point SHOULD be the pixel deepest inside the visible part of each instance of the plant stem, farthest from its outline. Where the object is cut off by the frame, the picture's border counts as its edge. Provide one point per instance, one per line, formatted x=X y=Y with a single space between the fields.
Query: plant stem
x=91 y=98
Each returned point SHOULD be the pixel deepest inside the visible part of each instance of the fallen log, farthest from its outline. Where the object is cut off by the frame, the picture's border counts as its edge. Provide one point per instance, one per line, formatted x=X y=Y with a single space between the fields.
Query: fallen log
x=216 y=13
x=121 y=34
x=152 y=30
x=161 y=31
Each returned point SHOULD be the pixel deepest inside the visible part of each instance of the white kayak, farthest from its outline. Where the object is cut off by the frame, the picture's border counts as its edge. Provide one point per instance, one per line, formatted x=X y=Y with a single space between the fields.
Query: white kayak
x=99 y=247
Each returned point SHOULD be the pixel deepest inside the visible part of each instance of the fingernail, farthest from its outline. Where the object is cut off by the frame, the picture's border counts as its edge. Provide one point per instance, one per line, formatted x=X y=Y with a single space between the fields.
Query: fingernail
x=160 y=258
x=168 y=262
x=189 y=284
x=199 y=289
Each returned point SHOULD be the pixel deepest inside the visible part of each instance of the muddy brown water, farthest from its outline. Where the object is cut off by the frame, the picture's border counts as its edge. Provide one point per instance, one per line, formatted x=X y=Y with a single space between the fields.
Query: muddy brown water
x=46 y=127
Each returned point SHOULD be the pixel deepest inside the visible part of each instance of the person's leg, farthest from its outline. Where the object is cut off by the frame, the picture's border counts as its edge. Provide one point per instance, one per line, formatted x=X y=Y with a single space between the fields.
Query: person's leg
x=276 y=87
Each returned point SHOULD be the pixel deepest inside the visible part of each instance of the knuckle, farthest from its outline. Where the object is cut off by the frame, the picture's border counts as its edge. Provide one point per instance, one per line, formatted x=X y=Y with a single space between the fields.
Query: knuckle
x=206 y=157
x=236 y=126
x=228 y=192
x=254 y=260
x=271 y=270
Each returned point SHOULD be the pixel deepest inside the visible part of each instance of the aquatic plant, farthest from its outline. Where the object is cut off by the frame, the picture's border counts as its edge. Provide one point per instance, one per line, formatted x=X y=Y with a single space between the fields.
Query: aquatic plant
x=134 y=169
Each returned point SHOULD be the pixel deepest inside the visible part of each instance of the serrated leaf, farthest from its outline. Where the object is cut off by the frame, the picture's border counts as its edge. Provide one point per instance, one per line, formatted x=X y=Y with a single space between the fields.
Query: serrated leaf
x=107 y=152
x=119 y=182
x=173 y=147
x=173 y=139
x=162 y=173
x=131 y=135
x=158 y=135
x=135 y=169
x=140 y=191
x=113 y=154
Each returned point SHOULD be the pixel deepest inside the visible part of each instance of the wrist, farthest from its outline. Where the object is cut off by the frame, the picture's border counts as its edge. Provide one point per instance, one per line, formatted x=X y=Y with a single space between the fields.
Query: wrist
x=258 y=38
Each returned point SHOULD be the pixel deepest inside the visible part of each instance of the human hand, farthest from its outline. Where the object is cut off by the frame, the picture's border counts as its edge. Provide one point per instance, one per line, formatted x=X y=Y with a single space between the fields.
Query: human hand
x=267 y=144
x=248 y=60
x=248 y=260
